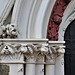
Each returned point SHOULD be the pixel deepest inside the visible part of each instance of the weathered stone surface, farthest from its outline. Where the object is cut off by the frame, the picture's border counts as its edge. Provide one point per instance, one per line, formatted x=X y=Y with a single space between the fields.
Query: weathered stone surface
x=4 y=70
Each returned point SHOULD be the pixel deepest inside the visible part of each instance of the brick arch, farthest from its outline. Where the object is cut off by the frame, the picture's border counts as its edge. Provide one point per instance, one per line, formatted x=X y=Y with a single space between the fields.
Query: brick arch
x=56 y=19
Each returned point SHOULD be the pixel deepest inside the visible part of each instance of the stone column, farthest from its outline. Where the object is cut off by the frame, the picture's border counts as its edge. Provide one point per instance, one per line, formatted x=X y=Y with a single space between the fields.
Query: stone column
x=40 y=67
x=56 y=55
x=16 y=69
x=50 y=58
x=36 y=55
x=30 y=68
x=43 y=50
x=50 y=68
x=12 y=53
x=16 y=66
x=30 y=59
x=60 y=61
x=13 y=58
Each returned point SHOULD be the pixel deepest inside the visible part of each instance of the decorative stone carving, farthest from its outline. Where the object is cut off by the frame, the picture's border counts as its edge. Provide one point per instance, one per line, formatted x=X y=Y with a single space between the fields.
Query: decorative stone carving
x=31 y=51
x=61 y=50
x=55 y=51
x=56 y=19
x=43 y=50
x=35 y=50
x=7 y=50
x=11 y=31
x=23 y=49
x=8 y=31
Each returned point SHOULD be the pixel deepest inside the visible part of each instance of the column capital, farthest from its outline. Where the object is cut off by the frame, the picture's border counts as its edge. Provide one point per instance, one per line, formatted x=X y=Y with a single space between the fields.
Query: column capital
x=56 y=48
x=31 y=49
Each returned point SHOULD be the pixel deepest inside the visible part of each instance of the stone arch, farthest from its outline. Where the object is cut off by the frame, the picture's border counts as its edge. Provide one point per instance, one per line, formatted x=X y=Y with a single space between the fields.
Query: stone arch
x=67 y=19
x=56 y=19
x=31 y=18
x=62 y=29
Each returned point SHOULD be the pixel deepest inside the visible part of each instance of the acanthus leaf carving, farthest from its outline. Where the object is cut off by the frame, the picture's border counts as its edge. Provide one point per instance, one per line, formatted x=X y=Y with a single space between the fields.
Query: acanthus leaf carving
x=43 y=50
x=7 y=50
x=55 y=51
x=58 y=50
x=52 y=53
x=23 y=49
x=31 y=51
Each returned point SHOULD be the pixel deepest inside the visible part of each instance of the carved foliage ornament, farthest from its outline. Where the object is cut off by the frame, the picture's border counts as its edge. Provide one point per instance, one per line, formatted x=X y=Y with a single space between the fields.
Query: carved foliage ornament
x=31 y=50
x=56 y=18
x=8 y=31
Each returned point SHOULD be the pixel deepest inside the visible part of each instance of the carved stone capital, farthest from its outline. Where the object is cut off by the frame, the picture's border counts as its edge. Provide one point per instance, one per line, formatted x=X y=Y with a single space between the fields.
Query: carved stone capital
x=18 y=49
x=7 y=50
x=55 y=51
x=32 y=50
x=36 y=51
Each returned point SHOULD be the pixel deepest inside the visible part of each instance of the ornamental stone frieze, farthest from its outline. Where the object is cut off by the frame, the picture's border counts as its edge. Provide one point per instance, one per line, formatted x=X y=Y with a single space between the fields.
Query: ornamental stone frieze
x=16 y=50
